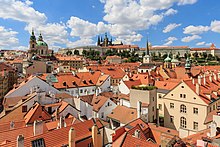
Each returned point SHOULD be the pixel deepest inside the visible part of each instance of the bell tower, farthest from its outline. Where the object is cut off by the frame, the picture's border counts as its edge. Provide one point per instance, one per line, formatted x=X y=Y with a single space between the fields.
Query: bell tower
x=32 y=45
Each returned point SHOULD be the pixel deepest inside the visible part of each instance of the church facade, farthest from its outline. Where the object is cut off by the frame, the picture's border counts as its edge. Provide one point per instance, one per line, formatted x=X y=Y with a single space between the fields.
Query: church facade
x=37 y=47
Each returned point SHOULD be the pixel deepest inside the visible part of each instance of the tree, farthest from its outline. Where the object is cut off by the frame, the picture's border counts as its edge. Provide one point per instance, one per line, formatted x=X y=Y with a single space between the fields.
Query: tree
x=68 y=53
x=76 y=52
x=84 y=53
x=196 y=55
x=204 y=54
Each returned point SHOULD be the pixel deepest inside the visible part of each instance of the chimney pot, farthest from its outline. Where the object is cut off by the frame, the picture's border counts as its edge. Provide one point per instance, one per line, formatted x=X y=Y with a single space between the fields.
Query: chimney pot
x=72 y=135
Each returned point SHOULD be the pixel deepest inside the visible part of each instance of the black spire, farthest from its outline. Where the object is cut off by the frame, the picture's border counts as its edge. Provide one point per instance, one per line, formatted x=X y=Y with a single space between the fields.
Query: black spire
x=147 y=47
x=32 y=38
x=98 y=42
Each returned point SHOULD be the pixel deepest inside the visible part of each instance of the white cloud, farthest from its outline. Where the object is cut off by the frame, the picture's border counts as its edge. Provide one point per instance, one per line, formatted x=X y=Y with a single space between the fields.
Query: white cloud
x=185 y=2
x=200 y=43
x=81 y=42
x=170 y=12
x=8 y=38
x=215 y=26
x=170 y=27
x=21 y=11
x=190 y=38
x=170 y=40
x=208 y=44
x=195 y=30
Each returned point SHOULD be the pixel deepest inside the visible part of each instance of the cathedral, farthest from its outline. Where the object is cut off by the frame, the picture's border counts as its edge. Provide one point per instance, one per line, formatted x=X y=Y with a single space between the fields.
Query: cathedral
x=104 y=42
x=37 y=47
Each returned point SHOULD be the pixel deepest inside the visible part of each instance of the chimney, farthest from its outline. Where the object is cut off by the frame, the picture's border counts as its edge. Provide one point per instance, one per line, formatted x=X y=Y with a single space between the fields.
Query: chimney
x=38 y=127
x=193 y=81
x=199 y=80
x=138 y=109
x=210 y=77
x=61 y=123
x=213 y=129
x=57 y=114
x=197 y=88
x=218 y=74
x=20 y=141
x=72 y=135
x=95 y=135
x=204 y=80
x=99 y=139
x=215 y=78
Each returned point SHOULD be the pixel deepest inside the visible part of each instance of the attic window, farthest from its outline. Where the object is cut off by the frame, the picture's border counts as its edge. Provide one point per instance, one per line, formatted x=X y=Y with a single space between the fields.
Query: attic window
x=38 y=143
x=74 y=83
x=182 y=86
x=64 y=84
x=84 y=81
x=90 y=81
x=132 y=112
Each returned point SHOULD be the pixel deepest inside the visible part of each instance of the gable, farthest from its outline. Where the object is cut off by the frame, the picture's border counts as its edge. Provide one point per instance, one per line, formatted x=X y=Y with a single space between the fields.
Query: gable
x=184 y=93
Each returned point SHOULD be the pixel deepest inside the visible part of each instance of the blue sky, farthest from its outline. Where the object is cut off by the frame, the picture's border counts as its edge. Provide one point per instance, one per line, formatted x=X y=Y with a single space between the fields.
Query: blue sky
x=70 y=23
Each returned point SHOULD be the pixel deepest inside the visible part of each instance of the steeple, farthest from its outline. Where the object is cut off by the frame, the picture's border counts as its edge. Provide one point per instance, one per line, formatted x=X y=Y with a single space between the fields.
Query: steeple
x=40 y=37
x=32 y=37
x=147 y=47
x=188 y=65
x=98 y=42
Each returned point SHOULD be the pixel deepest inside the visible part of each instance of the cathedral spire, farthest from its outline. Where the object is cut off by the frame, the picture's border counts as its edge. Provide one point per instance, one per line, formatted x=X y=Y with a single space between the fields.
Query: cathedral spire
x=98 y=42
x=147 y=48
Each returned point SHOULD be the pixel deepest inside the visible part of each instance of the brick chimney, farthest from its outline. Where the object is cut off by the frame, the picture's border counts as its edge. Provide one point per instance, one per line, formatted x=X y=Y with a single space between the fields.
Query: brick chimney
x=72 y=135
x=20 y=141
x=38 y=127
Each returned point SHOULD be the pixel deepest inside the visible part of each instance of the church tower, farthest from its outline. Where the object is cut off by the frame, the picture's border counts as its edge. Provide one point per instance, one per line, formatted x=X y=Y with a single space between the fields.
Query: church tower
x=147 y=58
x=188 y=65
x=32 y=45
x=105 y=40
x=98 y=41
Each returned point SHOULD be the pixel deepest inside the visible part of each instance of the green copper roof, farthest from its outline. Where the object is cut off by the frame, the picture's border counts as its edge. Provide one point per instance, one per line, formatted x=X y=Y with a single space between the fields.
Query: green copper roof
x=188 y=64
x=41 y=43
x=167 y=59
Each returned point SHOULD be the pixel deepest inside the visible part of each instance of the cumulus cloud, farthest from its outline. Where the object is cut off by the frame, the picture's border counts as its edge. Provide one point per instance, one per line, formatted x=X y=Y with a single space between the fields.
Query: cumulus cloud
x=215 y=26
x=170 y=40
x=190 y=38
x=185 y=2
x=170 y=12
x=170 y=27
x=195 y=30
x=200 y=43
x=8 y=37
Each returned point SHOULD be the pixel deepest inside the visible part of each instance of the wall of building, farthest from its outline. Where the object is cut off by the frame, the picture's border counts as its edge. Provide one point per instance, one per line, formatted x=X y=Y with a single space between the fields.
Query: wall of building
x=145 y=96
x=106 y=109
x=123 y=88
x=191 y=100
x=24 y=89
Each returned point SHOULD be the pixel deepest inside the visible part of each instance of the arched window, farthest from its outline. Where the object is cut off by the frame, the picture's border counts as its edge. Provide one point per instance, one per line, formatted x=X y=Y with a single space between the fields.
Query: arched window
x=183 y=122
x=32 y=45
x=183 y=108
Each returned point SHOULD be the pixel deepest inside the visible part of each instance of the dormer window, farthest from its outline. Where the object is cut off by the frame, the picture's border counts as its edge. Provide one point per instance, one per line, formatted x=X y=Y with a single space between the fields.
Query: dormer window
x=137 y=133
x=64 y=84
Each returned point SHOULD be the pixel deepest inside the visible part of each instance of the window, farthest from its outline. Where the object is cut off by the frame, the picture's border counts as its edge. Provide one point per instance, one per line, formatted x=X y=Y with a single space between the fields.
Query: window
x=183 y=122
x=172 y=105
x=102 y=115
x=81 y=91
x=181 y=95
x=213 y=107
x=171 y=119
x=153 y=108
x=160 y=106
x=184 y=96
x=24 y=108
x=195 y=110
x=90 y=144
x=137 y=133
x=171 y=94
x=195 y=125
x=182 y=86
x=160 y=96
x=153 y=98
x=183 y=108
x=38 y=143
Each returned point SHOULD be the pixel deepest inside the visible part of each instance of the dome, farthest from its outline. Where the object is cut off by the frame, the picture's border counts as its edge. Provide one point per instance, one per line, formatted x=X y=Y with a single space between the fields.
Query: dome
x=187 y=65
x=167 y=59
x=41 y=43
